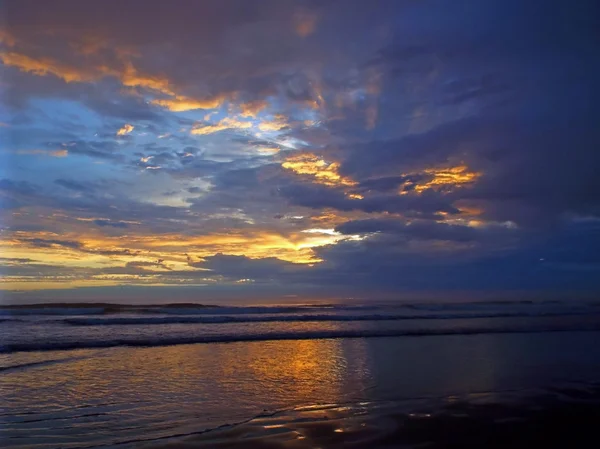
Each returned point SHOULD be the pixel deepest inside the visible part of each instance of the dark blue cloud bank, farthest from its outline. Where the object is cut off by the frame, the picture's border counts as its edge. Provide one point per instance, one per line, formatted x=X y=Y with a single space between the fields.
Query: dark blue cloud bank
x=235 y=148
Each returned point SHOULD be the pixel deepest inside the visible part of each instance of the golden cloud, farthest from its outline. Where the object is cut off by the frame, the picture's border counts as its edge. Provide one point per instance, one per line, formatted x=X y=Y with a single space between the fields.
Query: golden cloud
x=128 y=75
x=126 y=129
x=226 y=123
x=444 y=179
x=181 y=104
x=88 y=250
x=277 y=124
x=45 y=66
x=323 y=172
x=253 y=108
x=59 y=153
x=55 y=153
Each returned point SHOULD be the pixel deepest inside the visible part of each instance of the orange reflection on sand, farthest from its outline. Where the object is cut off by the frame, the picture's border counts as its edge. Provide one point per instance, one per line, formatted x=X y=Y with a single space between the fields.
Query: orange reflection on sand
x=309 y=365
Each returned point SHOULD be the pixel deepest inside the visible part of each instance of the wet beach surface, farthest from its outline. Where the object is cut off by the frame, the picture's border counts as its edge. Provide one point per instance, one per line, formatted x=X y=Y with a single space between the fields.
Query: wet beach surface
x=562 y=417
x=457 y=388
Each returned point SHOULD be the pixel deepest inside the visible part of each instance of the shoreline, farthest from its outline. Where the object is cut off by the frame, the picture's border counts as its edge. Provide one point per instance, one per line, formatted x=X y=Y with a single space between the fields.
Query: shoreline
x=558 y=416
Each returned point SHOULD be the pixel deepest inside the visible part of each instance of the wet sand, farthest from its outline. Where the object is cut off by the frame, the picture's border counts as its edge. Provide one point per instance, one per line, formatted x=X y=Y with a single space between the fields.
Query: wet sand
x=566 y=417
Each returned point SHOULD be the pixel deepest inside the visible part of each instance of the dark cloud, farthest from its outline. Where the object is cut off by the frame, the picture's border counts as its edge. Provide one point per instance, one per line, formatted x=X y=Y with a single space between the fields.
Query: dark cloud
x=47 y=243
x=318 y=197
x=9 y=186
x=391 y=95
x=426 y=230
x=73 y=185
x=241 y=267
x=114 y=224
x=387 y=183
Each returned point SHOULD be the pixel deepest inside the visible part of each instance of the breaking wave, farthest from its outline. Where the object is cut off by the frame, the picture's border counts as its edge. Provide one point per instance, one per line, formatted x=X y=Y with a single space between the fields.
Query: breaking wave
x=308 y=335
x=221 y=319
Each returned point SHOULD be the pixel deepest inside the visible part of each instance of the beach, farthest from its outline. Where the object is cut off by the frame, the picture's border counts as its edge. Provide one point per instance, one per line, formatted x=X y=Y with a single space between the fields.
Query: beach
x=281 y=381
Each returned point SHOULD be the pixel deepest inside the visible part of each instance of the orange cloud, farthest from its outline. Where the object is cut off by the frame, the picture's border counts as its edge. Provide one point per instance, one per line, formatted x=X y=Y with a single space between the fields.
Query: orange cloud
x=129 y=77
x=226 y=123
x=7 y=39
x=356 y=196
x=446 y=178
x=55 y=153
x=252 y=108
x=99 y=250
x=323 y=172
x=181 y=104
x=126 y=129
x=273 y=125
x=45 y=66
x=305 y=23
x=59 y=153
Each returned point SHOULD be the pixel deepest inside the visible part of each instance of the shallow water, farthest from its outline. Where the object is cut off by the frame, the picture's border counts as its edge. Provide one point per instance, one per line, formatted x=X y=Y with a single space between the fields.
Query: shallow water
x=555 y=418
x=97 y=397
x=134 y=380
x=56 y=328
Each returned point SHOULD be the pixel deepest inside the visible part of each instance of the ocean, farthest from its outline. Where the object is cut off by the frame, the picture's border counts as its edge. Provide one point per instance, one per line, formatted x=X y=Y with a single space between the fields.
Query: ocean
x=101 y=375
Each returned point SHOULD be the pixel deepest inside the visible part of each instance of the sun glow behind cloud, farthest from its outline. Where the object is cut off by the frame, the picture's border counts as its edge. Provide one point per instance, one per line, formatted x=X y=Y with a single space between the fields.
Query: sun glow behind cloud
x=130 y=258
x=315 y=167
x=97 y=259
x=144 y=150
x=442 y=179
x=126 y=129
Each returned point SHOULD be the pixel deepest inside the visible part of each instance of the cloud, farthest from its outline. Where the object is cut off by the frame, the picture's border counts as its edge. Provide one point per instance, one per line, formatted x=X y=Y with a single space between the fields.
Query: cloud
x=52 y=153
x=114 y=224
x=253 y=108
x=73 y=185
x=317 y=197
x=451 y=148
x=125 y=129
x=19 y=187
x=426 y=230
x=47 y=243
x=313 y=166
x=277 y=124
x=182 y=104
x=225 y=124
x=45 y=66
x=305 y=23
x=242 y=267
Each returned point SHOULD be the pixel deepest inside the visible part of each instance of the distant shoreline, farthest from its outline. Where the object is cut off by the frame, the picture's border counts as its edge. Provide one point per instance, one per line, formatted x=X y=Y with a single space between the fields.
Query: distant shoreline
x=105 y=305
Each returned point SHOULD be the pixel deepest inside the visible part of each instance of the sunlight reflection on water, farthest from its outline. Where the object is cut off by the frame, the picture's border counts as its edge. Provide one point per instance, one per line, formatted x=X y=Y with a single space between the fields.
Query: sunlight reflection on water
x=122 y=394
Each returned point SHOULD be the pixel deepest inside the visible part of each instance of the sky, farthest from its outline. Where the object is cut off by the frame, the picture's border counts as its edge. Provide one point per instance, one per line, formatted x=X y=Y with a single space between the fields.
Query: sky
x=298 y=149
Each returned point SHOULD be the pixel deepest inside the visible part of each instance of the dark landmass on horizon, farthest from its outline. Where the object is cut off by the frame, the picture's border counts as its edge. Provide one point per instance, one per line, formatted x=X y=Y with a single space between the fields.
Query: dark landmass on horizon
x=108 y=306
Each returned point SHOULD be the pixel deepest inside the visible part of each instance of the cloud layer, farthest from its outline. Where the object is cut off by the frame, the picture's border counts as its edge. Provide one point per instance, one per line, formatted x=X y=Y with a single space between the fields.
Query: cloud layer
x=300 y=147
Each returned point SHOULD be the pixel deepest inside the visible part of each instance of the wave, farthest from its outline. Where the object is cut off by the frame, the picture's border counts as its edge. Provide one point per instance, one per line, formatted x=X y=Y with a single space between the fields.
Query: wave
x=22 y=366
x=307 y=335
x=51 y=311
x=167 y=309
x=84 y=309
x=222 y=319
x=258 y=310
